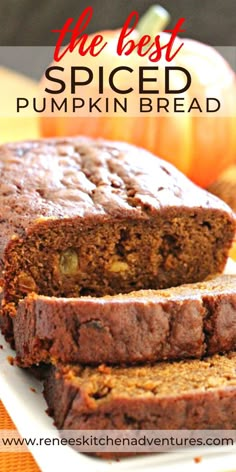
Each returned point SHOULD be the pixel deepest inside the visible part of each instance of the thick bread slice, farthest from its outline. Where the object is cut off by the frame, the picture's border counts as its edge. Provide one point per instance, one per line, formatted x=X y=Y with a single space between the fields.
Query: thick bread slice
x=148 y=325
x=192 y=394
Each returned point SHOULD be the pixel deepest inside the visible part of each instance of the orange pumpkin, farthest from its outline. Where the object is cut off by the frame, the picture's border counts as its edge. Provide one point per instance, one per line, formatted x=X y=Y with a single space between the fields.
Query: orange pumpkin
x=200 y=146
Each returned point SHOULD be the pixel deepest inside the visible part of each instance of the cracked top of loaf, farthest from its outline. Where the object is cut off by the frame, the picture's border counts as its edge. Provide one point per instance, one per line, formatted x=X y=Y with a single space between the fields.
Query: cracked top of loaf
x=63 y=178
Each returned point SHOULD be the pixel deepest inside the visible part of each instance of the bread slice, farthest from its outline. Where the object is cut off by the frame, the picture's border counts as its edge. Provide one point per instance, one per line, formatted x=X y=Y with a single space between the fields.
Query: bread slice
x=191 y=394
x=148 y=325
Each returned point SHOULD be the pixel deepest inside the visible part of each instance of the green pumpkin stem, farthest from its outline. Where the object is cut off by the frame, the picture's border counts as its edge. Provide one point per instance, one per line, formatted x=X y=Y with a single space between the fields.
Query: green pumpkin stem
x=153 y=22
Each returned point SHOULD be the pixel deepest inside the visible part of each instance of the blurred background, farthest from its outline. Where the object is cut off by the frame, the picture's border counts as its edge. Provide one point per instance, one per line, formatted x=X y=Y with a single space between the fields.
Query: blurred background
x=30 y=23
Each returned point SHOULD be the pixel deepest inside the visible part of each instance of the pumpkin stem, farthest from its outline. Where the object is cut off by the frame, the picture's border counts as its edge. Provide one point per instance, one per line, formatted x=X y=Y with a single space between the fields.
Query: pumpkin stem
x=153 y=21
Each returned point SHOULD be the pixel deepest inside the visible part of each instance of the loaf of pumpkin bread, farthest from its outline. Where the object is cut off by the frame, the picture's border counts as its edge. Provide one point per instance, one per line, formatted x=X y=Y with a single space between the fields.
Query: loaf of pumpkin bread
x=92 y=217
x=147 y=325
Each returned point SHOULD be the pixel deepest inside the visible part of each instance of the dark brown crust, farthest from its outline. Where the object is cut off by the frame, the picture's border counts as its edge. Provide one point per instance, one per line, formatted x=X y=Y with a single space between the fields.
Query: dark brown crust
x=187 y=321
x=52 y=168
x=76 y=404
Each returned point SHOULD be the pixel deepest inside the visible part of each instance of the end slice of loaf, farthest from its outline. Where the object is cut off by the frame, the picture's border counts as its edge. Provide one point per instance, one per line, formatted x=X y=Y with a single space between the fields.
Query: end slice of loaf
x=191 y=394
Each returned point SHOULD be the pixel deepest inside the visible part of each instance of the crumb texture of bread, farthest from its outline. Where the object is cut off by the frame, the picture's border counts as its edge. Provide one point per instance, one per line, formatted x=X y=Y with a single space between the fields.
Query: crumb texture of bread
x=190 y=394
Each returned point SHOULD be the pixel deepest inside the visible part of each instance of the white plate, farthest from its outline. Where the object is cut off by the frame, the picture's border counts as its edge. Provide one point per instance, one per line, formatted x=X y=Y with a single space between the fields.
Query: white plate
x=27 y=410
